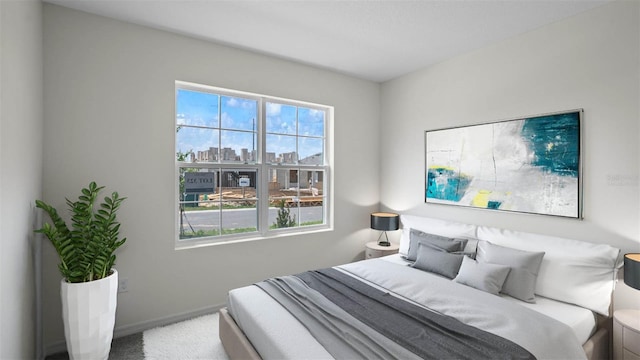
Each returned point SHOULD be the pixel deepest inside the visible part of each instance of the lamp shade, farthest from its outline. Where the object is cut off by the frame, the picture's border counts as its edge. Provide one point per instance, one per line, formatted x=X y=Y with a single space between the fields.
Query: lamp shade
x=632 y=270
x=385 y=221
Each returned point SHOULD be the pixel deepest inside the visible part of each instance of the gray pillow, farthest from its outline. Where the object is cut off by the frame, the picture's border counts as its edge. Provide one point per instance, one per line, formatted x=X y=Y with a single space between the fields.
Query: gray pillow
x=521 y=282
x=437 y=262
x=482 y=276
x=436 y=242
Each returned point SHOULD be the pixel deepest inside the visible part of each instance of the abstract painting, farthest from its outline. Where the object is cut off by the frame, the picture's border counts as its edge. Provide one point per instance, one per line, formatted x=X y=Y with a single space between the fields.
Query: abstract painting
x=529 y=165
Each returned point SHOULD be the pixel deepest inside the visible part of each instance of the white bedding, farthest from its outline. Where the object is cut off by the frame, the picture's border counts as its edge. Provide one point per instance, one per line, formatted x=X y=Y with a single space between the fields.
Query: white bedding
x=272 y=330
x=277 y=335
x=582 y=321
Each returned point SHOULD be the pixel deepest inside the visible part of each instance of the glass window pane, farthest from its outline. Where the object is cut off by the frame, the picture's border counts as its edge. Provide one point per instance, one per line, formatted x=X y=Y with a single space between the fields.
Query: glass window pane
x=196 y=108
x=238 y=146
x=281 y=119
x=196 y=222
x=196 y=182
x=278 y=181
x=311 y=198
x=239 y=216
x=282 y=149
x=310 y=150
x=239 y=113
x=215 y=202
x=312 y=213
x=310 y=122
x=283 y=183
x=238 y=184
x=283 y=197
x=196 y=144
x=239 y=200
x=283 y=213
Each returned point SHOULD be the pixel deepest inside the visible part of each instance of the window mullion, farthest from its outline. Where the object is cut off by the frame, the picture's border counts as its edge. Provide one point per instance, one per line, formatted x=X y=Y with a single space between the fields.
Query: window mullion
x=263 y=211
x=219 y=145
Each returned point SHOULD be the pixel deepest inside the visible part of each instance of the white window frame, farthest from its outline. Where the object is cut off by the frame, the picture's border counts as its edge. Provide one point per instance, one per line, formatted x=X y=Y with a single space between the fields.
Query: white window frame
x=262 y=169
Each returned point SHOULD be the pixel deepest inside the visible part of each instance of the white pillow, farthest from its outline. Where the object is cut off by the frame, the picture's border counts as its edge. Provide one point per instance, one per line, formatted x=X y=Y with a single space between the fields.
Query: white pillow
x=572 y=271
x=521 y=281
x=482 y=276
x=444 y=228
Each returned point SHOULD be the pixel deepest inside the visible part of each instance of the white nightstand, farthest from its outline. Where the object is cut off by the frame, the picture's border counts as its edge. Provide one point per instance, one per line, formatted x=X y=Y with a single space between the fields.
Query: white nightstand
x=626 y=335
x=374 y=250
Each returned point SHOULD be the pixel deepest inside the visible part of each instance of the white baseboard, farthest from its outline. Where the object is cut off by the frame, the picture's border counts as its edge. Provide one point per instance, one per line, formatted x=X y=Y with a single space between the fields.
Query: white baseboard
x=125 y=330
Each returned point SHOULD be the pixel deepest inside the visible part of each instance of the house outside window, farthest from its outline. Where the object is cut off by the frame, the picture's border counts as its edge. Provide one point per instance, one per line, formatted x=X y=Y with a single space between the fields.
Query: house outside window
x=248 y=166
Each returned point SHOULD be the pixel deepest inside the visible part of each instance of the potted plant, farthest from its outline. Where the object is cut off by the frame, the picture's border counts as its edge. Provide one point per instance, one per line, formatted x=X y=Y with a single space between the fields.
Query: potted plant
x=89 y=287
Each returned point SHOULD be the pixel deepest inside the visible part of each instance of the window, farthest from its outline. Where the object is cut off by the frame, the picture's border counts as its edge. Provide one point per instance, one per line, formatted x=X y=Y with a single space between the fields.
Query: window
x=248 y=166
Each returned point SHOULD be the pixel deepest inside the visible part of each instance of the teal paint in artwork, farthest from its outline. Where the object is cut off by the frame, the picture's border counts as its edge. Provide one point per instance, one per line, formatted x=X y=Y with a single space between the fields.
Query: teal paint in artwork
x=445 y=184
x=494 y=204
x=555 y=142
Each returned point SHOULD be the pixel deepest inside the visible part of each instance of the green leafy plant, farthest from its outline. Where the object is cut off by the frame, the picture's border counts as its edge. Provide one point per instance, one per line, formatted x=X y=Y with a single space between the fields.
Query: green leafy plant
x=284 y=219
x=86 y=250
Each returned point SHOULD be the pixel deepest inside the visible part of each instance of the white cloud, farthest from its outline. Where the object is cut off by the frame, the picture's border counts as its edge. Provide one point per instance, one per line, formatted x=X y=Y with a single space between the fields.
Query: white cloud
x=241 y=103
x=227 y=120
x=233 y=102
x=273 y=109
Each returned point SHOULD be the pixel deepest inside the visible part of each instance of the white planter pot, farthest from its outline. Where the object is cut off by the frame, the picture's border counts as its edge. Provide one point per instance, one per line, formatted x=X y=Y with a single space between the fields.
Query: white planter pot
x=89 y=314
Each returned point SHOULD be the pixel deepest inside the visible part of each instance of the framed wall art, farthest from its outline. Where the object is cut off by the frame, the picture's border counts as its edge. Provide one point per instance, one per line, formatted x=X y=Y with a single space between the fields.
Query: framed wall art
x=528 y=165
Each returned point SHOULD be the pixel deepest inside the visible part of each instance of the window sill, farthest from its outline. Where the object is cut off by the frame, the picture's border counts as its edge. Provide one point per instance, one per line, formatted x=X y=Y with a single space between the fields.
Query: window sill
x=205 y=242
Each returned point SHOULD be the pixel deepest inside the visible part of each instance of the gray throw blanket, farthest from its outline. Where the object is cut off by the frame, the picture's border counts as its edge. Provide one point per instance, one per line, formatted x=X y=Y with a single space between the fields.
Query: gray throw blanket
x=339 y=333
x=354 y=320
x=541 y=335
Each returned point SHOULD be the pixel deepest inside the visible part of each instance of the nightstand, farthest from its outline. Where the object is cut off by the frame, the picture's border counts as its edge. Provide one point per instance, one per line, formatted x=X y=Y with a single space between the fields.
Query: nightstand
x=626 y=335
x=374 y=250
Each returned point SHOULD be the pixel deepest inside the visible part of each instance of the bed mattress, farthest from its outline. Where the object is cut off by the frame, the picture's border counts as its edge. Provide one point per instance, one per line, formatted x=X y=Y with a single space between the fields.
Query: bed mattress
x=276 y=334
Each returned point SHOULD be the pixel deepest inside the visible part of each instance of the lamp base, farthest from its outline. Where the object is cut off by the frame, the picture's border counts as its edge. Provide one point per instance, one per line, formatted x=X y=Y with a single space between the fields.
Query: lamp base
x=384 y=242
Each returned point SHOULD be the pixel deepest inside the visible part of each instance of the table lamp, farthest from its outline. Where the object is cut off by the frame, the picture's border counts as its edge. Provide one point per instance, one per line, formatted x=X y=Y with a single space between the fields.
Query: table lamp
x=384 y=222
x=631 y=270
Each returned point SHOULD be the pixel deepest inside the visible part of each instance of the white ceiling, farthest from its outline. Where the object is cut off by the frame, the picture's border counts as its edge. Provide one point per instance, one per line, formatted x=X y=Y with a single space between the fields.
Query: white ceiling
x=374 y=40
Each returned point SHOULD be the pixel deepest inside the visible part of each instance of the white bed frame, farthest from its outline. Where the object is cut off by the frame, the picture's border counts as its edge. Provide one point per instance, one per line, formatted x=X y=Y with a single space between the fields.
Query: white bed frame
x=238 y=347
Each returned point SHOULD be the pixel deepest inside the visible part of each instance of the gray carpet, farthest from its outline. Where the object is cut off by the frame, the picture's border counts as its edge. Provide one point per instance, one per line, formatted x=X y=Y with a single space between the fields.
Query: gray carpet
x=124 y=348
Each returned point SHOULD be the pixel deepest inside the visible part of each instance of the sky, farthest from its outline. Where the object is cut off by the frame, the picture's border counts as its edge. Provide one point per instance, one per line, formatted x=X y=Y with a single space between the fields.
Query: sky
x=211 y=120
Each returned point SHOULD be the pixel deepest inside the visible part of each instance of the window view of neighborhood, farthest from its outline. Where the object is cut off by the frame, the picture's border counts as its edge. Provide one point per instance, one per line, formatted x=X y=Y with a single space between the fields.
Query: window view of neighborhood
x=224 y=145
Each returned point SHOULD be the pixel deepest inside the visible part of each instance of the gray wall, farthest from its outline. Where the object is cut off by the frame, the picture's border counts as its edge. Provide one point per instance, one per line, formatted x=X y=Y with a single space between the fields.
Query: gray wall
x=21 y=174
x=589 y=61
x=109 y=117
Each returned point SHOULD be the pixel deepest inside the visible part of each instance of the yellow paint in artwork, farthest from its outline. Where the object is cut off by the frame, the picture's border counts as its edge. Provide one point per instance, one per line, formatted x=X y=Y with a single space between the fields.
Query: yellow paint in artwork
x=549 y=146
x=481 y=199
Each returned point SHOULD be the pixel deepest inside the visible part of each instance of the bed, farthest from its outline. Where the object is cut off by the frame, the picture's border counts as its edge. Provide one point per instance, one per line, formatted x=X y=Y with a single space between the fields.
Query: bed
x=480 y=292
